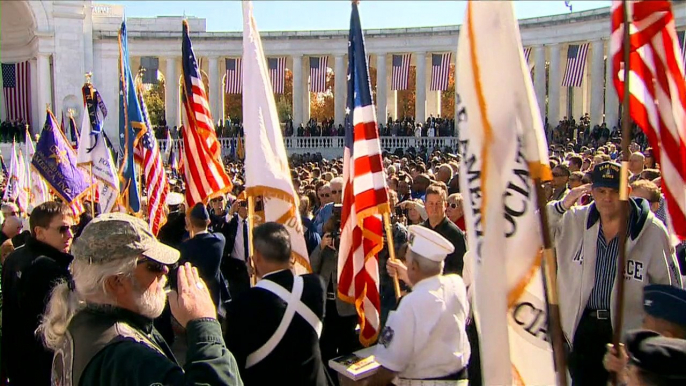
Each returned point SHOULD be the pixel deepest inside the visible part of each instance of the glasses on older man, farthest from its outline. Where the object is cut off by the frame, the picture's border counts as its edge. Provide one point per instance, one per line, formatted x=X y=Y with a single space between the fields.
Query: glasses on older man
x=152 y=265
x=336 y=191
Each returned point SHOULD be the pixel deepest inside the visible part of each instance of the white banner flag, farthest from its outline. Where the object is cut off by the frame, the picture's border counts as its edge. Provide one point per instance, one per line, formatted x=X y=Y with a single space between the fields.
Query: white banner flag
x=266 y=162
x=93 y=151
x=17 y=185
x=38 y=188
x=500 y=130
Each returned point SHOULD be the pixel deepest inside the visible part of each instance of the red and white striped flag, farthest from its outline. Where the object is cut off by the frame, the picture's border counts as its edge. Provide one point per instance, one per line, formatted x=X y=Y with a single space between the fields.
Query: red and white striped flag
x=152 y=165
x=365 y=197
x=576 y=63
x=401 y=71
x=658 y=93
x=318 y=67
x=277 y=73
x=16 y=86
x=527 y=54
x=234 y=76
x=201 y=152
x=440 y=71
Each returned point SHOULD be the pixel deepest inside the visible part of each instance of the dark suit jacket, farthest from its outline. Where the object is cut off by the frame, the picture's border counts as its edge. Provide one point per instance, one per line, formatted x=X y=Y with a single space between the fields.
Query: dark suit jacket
x=252 y=319
x=229 y=230
x=325 y=264
x=204 y=251
x=454 y=262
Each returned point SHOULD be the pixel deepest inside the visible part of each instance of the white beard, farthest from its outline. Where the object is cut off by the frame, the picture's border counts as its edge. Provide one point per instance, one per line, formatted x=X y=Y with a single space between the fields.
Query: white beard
x=149 y=303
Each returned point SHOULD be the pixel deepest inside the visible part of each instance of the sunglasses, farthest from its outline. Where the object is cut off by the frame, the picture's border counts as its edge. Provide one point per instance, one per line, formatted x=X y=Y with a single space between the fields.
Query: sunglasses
x=336 y=191
x=243 y=204
x=152 y=266
x=218 y=199
x=454 y=206
x=66 y=228
x=327 y=195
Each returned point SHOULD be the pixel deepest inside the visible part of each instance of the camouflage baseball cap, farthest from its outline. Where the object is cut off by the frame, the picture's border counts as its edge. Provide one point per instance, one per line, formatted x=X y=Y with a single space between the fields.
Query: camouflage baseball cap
x=114 y=236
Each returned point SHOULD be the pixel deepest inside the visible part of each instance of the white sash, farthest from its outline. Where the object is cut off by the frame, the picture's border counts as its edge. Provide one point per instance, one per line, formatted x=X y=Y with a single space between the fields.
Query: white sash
x=294 y=305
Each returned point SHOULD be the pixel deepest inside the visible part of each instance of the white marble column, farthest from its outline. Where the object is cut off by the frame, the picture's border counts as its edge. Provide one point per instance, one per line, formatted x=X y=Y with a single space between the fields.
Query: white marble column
x=555 y=79
x=597 y=81
x=306 y=89
x=340 y=93
x=88 y=38
x=44 y=84
x=215 y=92
x=611 y=98
x=171 y=93
x=539 y=79
x=297 y=90
x=33 y=93
x=420 y=88
x=381 y=92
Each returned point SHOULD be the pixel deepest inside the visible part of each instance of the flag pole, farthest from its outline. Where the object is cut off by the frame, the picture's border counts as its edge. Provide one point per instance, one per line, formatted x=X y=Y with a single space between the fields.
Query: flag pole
x=391 y=251
x=623 y=189
x=90 y=170
x=251 y=225
x=550 y=280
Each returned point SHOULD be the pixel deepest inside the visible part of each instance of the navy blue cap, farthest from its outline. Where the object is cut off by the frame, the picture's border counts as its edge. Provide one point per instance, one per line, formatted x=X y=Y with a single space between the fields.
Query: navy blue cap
x=665 y=302
x=661 y=357
x=200 y=212
x=606 y=175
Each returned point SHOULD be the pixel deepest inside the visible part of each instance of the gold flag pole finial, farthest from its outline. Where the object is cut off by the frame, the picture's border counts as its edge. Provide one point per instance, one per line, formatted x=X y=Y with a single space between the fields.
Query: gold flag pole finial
x=89 y=76
x=47 y=106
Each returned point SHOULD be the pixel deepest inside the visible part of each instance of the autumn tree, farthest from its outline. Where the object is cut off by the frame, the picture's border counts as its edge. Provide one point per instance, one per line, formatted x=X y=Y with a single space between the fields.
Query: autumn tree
x=406 y=98
x=233 y=106
x=284 y=102
x=448 y=96
x=154 y=101
x=322 y=103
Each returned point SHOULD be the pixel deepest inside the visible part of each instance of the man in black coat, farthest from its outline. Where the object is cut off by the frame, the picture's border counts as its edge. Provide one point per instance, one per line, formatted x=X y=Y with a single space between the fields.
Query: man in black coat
x=235 y=260
x=28 y=277
x=436 y=201
x=265 y=353
x=204 y=250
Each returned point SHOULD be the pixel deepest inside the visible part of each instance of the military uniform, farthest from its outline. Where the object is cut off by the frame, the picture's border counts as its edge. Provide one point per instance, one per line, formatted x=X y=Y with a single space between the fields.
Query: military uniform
x=425 y=339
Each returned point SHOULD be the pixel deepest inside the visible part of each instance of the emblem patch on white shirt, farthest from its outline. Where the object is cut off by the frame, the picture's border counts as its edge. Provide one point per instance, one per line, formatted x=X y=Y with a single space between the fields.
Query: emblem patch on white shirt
x=386 y=336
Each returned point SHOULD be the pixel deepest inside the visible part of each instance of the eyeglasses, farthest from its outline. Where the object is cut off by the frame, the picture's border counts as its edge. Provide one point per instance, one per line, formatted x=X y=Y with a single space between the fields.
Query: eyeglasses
x=336 y=191
x=152 y=266
x=327 y=195
x=65 y=228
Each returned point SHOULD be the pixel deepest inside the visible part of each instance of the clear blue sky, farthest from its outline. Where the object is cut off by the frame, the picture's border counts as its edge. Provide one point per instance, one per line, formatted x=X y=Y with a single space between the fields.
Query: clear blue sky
x=322 y=15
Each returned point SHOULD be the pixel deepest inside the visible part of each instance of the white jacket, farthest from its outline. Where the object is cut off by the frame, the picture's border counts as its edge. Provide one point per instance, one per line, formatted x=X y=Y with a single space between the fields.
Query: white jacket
x=650 y=260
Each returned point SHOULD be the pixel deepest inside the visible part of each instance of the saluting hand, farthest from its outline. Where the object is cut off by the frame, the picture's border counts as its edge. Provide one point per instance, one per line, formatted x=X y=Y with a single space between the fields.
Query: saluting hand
x=192 y=299
x=574 y=195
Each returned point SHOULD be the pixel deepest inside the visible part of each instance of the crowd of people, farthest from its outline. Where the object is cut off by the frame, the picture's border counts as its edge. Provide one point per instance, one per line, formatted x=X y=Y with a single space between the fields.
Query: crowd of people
x=101 y=300
x=13 y=131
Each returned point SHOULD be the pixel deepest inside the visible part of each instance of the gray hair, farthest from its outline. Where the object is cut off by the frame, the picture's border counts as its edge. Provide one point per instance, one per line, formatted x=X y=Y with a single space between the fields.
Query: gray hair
x=426 y=266
x=89 y=286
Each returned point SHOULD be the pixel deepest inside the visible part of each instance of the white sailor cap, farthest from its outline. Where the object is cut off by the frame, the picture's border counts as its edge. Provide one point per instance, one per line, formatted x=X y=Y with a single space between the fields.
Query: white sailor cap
x=429 y=244
x=174 y=198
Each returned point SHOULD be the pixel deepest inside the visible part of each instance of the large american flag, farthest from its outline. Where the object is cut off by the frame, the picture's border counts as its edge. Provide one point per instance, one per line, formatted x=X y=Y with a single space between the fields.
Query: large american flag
x=364 y=194
x=277 y=73
x=234 y=76
x=147 y=154
x=202 y=163
x=318 y=66
x=16 y=86
x=658 y=93
x=440 y=71
x=401 y=71
x=576 y=63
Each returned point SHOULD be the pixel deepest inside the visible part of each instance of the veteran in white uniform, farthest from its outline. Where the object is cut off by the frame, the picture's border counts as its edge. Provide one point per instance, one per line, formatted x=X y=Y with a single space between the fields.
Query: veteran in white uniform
x=424 y=342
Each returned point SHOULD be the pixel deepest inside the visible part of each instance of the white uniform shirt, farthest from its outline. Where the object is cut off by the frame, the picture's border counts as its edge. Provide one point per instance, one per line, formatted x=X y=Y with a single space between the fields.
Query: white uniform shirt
x=238 y=246
x=426 y=338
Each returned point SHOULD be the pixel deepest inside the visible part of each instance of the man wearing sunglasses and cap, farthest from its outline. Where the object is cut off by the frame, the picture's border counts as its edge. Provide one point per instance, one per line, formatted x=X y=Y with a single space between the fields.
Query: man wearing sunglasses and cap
x=100 y=322
x=28 y=276
x=587 y=248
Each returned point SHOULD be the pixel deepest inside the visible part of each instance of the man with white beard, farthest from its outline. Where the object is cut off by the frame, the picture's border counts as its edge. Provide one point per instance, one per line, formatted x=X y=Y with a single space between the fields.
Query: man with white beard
x=100 y=322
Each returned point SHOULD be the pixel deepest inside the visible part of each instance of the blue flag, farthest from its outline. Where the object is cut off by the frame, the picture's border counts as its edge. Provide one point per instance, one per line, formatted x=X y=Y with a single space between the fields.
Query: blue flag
x=73 y=132
x=55 y=161
x=131 y=126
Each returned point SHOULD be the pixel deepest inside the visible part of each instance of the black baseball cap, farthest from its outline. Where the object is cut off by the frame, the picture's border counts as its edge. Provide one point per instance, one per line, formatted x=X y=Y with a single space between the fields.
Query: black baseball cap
x=606 y=175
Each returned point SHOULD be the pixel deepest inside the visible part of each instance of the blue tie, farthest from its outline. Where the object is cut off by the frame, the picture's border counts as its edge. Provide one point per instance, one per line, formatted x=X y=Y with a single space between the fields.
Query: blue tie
x=245 y=239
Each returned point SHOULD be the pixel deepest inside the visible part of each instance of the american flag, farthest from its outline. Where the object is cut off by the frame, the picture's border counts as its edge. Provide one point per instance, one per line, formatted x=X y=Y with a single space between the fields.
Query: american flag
x=277 y=73
x=201 y=158
x=576 y=63
x=364 y=194
x=401 y=71
x=682 y=45
x=147 y=154
x=440 y=71
x=234 y=76
x=318 y=66
x=658 y=93
x=527 y=54
x=16 y=85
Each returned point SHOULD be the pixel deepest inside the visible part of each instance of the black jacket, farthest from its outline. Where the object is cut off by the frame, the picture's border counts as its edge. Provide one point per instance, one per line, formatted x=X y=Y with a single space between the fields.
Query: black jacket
x=454 y=262
x=252 y=319
x=229 y=230
x=28 y=276
x=172 y=233
x=204 y=251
